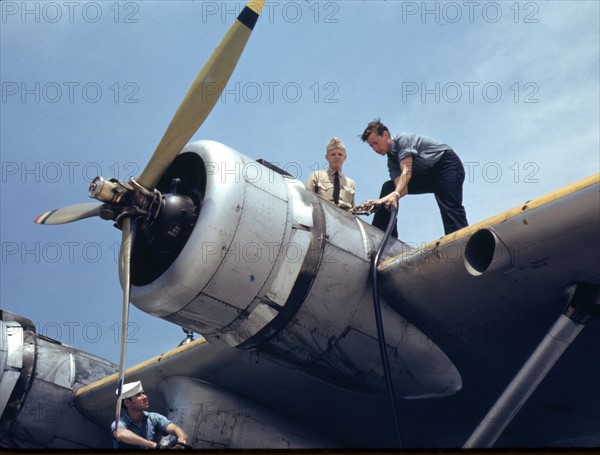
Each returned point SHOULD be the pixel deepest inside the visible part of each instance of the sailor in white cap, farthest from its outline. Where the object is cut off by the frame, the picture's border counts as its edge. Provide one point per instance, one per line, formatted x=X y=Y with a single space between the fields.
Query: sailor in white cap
x=139 y=428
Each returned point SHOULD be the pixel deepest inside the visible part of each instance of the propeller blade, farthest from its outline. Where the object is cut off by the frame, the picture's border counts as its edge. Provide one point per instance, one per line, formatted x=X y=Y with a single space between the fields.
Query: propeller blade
x=70 y=213
x=198 y=102
x=128 y=237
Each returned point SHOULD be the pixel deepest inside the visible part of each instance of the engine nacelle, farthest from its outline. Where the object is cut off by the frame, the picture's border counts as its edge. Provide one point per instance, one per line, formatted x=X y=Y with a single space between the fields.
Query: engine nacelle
x=272 y=267
x=38 y=379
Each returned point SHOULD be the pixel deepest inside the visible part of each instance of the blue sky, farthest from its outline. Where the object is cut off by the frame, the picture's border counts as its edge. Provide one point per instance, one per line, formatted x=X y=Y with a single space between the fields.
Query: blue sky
x=88 y=88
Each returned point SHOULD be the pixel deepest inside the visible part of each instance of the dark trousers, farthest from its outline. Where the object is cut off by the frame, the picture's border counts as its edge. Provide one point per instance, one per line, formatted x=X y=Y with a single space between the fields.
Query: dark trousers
x=445 y=181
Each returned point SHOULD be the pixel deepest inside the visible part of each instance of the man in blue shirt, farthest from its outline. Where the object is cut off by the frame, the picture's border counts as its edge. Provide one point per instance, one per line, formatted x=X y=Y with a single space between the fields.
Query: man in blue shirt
x=417 y=165
x=139 y=429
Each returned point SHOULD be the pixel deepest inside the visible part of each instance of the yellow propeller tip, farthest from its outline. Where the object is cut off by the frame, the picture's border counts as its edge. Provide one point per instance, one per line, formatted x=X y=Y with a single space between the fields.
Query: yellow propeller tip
x=256 y=6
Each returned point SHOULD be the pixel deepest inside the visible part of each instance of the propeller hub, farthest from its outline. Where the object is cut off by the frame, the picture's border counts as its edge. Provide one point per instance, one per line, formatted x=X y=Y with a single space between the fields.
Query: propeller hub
x=108 y=190
x=177 y=218
x=125 y=199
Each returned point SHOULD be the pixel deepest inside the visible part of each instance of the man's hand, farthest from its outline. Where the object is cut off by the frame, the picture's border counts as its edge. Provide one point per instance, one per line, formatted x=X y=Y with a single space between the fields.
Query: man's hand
x=182 y=440
x=390 y=199
x=366 y=208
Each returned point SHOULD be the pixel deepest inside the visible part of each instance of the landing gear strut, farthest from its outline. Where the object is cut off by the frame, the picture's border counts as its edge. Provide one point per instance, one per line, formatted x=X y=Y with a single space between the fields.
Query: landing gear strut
x=584 y=303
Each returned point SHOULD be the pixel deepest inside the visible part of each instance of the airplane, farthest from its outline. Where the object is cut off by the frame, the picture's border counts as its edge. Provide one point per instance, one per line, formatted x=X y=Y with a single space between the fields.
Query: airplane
x=490 y=335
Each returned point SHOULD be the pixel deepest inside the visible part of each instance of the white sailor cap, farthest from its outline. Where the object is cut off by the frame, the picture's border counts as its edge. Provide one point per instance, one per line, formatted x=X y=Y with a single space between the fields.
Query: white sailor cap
x=130 y=389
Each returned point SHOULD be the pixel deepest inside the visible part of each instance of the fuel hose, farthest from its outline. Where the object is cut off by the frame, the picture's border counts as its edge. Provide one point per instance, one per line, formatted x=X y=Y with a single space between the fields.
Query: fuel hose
x=379 y=323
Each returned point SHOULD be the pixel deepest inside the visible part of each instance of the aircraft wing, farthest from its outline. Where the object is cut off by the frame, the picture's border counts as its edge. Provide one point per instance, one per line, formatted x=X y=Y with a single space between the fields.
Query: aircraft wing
x=258 y=402
x=488 y=294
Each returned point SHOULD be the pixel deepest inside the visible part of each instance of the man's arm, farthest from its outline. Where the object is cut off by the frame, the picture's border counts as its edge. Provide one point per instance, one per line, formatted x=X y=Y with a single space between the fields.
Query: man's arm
x=129 y=437
x=401 y=183
x=178 y=432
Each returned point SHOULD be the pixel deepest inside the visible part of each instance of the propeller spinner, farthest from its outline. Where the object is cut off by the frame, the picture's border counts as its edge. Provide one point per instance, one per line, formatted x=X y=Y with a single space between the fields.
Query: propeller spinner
x=129 y=202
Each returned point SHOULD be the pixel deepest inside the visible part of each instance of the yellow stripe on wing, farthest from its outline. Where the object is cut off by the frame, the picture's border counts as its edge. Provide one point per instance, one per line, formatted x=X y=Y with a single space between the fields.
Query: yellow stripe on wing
x=140 y=366
x=510 y=213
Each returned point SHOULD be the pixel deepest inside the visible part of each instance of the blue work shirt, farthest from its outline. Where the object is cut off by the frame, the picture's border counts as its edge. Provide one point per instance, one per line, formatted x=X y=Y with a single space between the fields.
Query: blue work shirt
x=426 y=152
x=153 y=426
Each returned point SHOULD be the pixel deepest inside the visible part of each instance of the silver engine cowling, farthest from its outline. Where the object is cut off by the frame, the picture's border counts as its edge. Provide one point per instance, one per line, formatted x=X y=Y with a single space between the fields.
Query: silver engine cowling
x=271 y=267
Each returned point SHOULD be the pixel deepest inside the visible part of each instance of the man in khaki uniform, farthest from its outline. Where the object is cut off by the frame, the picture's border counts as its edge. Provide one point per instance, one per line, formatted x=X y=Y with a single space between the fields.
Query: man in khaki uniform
x=331 y=184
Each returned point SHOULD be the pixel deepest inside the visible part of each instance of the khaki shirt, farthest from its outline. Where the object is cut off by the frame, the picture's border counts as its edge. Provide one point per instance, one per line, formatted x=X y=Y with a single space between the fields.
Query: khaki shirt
x=322 y=182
